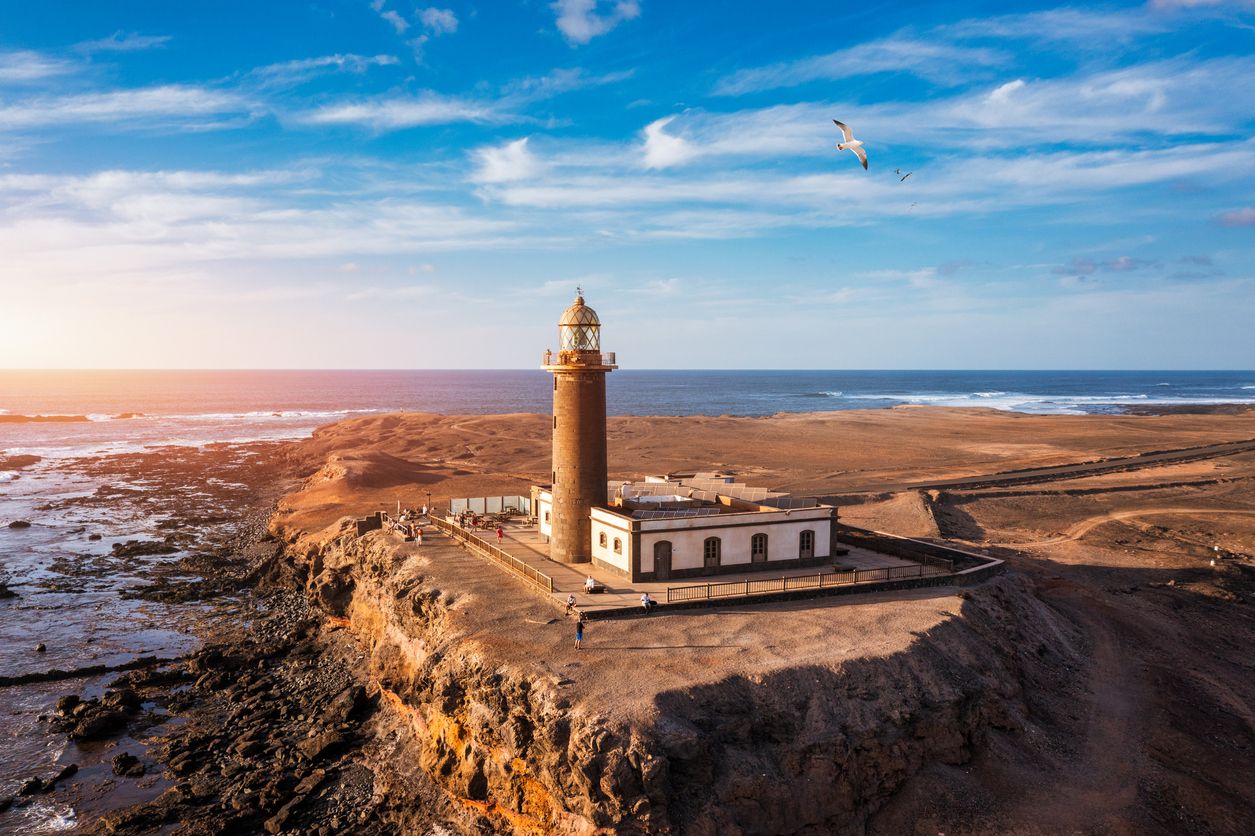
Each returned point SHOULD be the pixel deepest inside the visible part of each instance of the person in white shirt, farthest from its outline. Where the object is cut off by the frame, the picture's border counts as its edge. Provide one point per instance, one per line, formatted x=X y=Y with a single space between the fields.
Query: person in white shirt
x=647 y=603
x=589 y=584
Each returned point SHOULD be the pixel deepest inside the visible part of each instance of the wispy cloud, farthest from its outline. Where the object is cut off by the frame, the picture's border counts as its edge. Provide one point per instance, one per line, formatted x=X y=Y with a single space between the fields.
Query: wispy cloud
x=123 y=42
x=407 y=112
x=932 y=60
x=137 y=109
x=1078 y=26
x=1088 y=266
x=399 y=23
x=559 y=81
x=24 y=66
x=303 y=69
x=435 y=22
x=438 y=21
x=582 y=20
x=1238 y=217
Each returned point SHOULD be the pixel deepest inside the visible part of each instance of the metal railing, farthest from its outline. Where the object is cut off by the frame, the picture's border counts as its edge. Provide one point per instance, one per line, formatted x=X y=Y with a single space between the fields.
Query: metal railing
x=762 y=586
x=499 y=556
x=577 y=358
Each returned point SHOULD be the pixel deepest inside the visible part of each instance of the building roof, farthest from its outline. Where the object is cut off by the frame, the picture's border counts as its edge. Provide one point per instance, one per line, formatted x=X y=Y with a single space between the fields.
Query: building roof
x=579 y=314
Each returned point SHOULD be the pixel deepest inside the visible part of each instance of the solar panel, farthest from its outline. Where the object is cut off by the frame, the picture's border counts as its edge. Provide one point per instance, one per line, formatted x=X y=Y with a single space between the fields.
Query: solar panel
x=675 y=515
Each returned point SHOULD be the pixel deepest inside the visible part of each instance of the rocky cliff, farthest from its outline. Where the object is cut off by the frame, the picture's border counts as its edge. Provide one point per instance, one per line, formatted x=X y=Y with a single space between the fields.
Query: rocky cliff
x=806 y=730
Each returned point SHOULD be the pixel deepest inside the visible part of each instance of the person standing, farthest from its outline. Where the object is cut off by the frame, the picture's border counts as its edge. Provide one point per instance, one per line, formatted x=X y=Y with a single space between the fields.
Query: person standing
x=418 y=536
x=500 y=535
x=579 y=631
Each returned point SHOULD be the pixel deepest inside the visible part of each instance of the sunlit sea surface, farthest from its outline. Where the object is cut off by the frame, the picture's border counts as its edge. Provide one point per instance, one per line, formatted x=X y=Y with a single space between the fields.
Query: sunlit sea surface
x=181 y=407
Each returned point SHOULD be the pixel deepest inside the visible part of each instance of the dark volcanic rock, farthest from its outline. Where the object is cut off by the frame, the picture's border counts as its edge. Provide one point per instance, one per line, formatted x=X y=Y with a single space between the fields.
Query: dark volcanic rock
x=20 y=524
x=128 y=765
x=98 y=725
x=140 y=548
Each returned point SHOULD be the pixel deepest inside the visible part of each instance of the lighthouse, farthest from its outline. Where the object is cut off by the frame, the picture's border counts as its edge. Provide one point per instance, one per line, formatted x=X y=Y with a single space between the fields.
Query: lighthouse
x=579 y=371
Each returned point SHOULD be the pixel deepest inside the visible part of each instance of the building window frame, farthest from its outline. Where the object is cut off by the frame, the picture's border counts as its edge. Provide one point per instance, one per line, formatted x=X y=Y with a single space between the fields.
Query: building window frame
x=806 y=543
x=601 y=539
x=712 y=553
x=618 y=546
x=758 y=548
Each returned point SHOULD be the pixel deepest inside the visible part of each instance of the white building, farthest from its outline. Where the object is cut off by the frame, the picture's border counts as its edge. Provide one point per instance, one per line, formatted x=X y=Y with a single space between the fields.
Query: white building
x=700 y=524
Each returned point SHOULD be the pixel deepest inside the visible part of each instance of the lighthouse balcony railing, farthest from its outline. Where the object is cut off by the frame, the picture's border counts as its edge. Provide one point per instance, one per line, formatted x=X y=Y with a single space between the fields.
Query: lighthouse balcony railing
x=577 y=358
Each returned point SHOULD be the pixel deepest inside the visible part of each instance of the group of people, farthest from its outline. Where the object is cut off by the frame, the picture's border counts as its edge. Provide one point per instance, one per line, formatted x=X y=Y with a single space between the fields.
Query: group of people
x=572 y=608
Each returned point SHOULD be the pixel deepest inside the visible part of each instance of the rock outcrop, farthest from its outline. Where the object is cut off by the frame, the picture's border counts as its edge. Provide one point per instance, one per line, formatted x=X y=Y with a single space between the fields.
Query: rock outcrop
x=803 y=748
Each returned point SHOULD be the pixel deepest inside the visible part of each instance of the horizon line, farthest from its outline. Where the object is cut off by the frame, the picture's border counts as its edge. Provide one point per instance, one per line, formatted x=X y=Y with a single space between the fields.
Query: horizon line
x=83 y=369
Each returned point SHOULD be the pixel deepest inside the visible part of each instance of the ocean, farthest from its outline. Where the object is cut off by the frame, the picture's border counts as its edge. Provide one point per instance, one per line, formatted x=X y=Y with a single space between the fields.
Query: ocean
x=196 y=407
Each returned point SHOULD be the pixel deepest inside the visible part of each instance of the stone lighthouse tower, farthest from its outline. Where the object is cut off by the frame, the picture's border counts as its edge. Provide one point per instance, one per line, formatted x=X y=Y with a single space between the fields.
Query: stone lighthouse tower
x=579 y=430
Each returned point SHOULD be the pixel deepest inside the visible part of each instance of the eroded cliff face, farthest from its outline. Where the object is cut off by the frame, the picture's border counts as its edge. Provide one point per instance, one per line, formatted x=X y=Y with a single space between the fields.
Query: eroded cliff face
x=789 y=748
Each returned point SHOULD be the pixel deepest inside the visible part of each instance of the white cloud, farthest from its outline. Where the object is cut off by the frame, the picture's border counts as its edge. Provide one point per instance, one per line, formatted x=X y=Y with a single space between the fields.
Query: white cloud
x=941 y=55
x=663 y=150
x=398 y=23
x=393 y=113
x=123 y=42
x=1239 y=217
x=1090 y=26
x=127 y=110
x=935 y=61
x=581 y=20
x=23 y=66
x=506 y=163
x=562 y=80
x=438 y=21
x=303 y=69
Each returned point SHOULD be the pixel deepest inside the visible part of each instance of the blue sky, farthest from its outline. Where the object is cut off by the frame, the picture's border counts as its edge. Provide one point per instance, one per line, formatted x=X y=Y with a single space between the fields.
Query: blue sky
x=352 y=183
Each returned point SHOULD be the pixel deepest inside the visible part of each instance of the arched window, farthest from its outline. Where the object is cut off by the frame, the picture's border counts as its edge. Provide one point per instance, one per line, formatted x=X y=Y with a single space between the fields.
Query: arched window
x=601 y=539
x=806 y=544
x=618 y=546
x=712 y=550
x=758 y=548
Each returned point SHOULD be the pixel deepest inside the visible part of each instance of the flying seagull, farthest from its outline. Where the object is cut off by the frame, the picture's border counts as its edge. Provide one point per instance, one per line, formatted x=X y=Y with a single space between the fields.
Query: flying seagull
x=902 y=177
x=851 y=144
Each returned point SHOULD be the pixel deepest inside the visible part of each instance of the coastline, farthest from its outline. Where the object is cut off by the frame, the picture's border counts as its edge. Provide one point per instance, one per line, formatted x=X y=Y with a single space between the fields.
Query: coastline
x=313 y=630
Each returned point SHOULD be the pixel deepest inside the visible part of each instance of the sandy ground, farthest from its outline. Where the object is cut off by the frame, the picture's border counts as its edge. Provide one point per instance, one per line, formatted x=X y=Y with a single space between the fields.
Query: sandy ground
x=1164 y=738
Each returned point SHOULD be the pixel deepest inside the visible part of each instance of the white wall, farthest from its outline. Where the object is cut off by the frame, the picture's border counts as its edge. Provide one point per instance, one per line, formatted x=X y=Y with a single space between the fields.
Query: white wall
x=544 y=507
x=783 y=538
x=612 y=526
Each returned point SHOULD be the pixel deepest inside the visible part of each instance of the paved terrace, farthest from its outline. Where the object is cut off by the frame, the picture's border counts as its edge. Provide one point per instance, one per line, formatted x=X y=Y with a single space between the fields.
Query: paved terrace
x=525 y=543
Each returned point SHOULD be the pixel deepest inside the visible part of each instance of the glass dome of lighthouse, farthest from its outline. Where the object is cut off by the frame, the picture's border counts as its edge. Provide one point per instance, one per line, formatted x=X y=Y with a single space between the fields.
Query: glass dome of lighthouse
x=579 y=329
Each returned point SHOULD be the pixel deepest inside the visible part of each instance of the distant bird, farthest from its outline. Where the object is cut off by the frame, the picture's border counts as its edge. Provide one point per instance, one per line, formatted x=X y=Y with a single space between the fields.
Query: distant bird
x=902 y=177
x=851 y=144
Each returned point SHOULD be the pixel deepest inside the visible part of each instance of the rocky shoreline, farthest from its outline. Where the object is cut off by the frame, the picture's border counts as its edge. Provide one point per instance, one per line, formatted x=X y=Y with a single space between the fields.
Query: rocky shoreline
x=346 y=699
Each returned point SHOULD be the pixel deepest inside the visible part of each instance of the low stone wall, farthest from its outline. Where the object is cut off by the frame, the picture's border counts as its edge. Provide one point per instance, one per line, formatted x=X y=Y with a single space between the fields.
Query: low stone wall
x=908 y=548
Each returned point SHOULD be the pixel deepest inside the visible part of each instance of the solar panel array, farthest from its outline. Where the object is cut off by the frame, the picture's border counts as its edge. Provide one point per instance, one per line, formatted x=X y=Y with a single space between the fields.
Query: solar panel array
x=791 y=503
x=675 y=515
